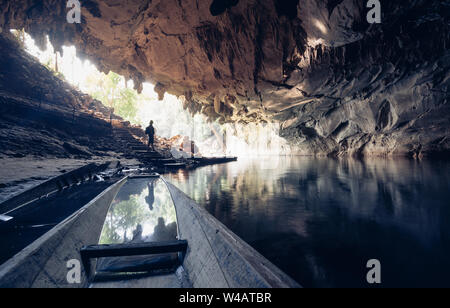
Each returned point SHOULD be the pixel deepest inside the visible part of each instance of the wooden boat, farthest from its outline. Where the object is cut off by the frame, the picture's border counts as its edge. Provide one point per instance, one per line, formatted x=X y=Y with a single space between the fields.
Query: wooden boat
x=204 y=161
x=142 y=232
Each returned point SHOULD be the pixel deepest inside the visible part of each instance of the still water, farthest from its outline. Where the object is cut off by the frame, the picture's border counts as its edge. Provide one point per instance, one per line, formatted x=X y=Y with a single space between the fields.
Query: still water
x=142 y=212
x=321 y=220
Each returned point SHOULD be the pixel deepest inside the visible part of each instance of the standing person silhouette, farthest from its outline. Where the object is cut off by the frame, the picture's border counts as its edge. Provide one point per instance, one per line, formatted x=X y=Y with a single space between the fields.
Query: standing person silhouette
x=150 y=131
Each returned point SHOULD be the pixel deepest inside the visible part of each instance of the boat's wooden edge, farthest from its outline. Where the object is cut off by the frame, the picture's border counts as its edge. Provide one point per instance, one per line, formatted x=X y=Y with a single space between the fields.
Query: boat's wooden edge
x=43 y=264
x=52 y=185
x=216 y=257
x=145 y=176
x=205 y=161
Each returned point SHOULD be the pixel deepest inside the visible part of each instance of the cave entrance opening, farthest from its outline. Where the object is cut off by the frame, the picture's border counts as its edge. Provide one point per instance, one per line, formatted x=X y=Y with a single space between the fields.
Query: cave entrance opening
x=173 y=123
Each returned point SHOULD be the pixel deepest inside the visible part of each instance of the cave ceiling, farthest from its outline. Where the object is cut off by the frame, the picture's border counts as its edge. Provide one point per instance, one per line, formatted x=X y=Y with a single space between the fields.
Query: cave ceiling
x=317 y=67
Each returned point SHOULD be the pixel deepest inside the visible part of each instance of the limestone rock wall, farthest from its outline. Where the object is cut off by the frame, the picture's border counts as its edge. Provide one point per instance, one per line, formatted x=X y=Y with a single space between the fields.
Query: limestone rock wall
x=41 y=115
x=336 y=84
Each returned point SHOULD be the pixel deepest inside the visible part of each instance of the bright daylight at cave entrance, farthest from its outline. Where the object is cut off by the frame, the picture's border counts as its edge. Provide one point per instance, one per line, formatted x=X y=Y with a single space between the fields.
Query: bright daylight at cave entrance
x=251 y=144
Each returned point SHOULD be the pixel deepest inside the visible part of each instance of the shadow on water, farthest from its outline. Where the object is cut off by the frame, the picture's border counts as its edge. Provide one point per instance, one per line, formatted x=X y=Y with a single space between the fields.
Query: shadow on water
x=321 y=220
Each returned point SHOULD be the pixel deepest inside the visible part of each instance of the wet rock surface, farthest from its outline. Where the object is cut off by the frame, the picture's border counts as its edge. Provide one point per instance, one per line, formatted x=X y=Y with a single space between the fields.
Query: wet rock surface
x=336 y=84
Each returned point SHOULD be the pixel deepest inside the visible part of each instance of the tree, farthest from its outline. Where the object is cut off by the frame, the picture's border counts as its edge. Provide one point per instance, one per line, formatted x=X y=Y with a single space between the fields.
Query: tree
x=107 y=89
x=127 y=107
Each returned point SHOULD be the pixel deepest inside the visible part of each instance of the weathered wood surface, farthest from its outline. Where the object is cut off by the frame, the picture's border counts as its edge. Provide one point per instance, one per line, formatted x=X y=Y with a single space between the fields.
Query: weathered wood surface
x=216 y=257
x=52 y=185
x=43 y=264
x=134 y=249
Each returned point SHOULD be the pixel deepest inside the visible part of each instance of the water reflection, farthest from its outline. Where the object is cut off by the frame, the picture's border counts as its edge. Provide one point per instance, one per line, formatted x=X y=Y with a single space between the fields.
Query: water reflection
x=143 y=211
x=321 y=220
x=150 y=199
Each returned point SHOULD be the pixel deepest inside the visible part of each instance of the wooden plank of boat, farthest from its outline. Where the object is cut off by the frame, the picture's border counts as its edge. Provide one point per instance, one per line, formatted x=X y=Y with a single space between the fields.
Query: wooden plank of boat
x=148 y=243
x=215 y=257
x=214 y=160
x=126 y=250
x=175 y=165
x=144 y=176
x=121 y=250
x=43 y=264
x=51 y=186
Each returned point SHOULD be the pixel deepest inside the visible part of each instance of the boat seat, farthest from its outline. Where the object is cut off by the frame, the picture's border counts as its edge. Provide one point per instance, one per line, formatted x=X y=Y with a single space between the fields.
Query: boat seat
x=129 y=250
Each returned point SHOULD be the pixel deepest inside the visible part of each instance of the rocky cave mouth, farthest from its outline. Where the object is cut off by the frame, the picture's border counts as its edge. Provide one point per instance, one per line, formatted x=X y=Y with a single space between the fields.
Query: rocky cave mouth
x=331 y=83
x=296 y=83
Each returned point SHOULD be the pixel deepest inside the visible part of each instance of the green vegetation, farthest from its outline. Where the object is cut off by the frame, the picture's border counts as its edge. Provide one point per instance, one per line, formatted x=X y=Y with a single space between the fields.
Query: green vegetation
x=107 y=89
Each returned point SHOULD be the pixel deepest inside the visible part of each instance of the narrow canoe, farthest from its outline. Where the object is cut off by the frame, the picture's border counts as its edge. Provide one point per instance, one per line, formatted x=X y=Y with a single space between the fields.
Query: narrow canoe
x=142 y=232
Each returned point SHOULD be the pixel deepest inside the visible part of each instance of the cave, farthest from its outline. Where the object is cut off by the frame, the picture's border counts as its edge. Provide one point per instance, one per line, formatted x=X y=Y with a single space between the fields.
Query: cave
x=318 y=139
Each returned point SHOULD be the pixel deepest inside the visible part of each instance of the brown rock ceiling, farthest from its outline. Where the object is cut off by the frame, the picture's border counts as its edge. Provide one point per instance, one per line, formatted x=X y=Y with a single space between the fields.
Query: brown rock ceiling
x=336 y=84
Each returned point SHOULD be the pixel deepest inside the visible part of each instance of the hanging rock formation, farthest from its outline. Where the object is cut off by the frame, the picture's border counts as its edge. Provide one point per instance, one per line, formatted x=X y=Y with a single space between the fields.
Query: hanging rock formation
x=336 y=84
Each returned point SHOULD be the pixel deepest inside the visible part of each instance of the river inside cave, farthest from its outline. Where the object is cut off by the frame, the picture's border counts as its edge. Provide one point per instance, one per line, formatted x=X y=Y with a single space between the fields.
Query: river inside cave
x=321 y=220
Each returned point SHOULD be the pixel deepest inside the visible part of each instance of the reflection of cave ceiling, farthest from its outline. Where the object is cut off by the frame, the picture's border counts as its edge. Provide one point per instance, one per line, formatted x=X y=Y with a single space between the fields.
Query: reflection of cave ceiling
x=335 y=83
